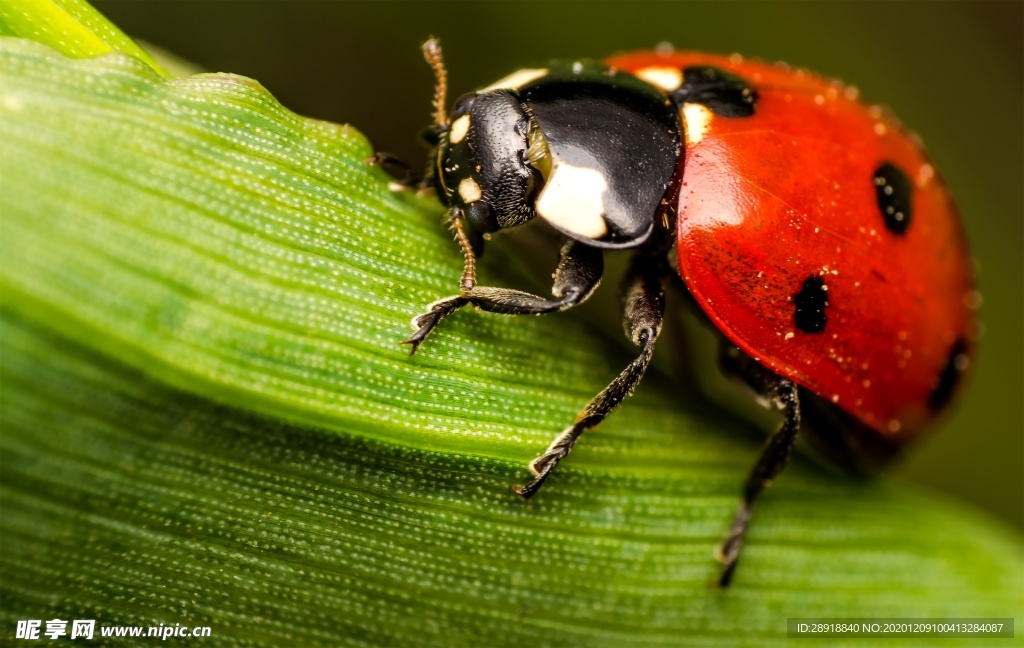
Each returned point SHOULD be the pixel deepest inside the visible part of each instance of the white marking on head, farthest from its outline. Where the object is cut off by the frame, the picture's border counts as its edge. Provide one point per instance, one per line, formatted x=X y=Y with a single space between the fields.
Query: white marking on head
x=459 y=129
x=516 y=80
x=573 y=200
x=666 y=78
x=469 y=190
x=697 y=119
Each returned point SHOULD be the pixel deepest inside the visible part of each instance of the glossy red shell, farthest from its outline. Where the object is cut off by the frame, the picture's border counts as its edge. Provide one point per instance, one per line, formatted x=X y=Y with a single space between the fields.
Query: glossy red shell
x=787 y=193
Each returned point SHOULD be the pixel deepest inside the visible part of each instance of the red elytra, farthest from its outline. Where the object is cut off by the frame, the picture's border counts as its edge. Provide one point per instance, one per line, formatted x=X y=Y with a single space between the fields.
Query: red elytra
x=770 y=200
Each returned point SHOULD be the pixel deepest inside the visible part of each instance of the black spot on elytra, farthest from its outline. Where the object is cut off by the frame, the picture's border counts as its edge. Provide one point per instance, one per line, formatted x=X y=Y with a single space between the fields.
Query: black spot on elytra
x=949 y=377
x=810 y=305
x=724 y=93
x=893 y=190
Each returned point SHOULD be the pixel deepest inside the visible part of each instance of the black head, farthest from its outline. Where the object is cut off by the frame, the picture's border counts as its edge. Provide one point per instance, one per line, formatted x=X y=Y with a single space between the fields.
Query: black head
x=479 y=159
x=482 y=168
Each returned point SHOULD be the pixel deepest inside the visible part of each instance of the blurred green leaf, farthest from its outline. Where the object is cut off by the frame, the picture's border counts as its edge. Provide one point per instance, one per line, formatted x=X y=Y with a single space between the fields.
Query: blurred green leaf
x=207 y=419
x=72 y=27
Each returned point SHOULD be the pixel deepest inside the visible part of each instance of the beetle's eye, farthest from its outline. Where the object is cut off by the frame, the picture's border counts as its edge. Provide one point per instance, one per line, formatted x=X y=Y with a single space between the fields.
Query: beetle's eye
x=481 y=217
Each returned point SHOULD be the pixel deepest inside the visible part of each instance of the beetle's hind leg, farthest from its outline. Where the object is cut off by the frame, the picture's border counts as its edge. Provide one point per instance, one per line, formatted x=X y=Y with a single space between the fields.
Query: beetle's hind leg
x=644 y=310
x=773 y=458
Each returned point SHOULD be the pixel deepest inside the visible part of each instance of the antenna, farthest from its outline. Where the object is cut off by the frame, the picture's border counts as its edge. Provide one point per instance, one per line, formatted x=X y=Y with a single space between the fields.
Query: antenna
x=432 y=53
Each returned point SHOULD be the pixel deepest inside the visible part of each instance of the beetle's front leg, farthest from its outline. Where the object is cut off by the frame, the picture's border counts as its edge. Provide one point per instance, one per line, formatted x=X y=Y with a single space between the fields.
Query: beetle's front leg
x=578 y=274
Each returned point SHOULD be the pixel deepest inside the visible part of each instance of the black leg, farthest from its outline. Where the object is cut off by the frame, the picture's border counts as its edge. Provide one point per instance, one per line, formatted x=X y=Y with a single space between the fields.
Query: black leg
x=644 y=308
x=402 y=174
x=774 y=457
x=578 y=274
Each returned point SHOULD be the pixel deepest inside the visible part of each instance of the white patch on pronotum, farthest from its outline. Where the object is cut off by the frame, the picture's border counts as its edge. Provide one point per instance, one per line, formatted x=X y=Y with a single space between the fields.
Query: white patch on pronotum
x=666 y=78
x=469 y=190
x=697 y=119
x=573 y=200
x=459 y=129
x=516 y=80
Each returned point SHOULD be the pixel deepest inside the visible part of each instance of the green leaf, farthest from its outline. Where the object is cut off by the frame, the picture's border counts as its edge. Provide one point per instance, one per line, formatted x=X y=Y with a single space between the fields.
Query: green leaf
x=207 y=419
x=72 y=27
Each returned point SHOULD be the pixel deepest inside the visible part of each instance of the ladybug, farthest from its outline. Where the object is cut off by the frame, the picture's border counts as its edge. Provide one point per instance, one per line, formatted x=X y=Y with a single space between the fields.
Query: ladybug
x=811 y=231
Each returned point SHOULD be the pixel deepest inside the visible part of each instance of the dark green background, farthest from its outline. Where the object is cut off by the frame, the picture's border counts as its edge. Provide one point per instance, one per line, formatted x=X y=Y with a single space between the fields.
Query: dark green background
x=952 y=71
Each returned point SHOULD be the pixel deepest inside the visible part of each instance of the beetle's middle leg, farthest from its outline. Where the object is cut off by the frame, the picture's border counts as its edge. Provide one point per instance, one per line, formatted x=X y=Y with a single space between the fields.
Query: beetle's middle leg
x=644 y=309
